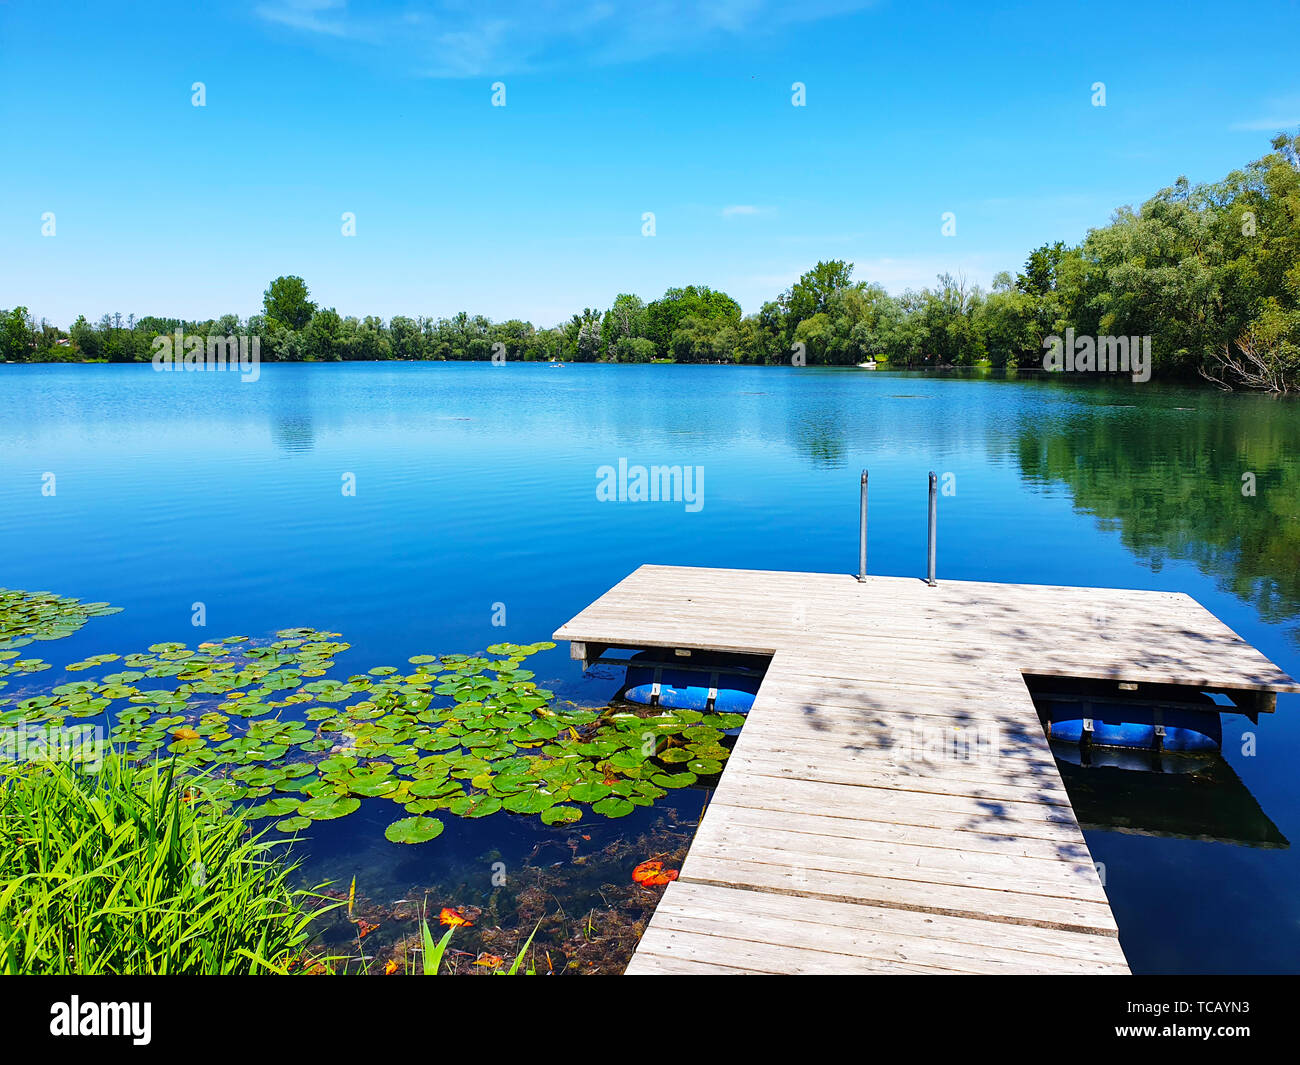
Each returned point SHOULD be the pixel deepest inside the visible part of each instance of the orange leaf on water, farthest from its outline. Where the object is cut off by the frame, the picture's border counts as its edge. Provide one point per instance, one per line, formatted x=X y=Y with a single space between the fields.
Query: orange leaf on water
x=653 y=874
x=646 y=870
x=659 y=879
x=390 y=968
x=450 y=917
x=492 y=961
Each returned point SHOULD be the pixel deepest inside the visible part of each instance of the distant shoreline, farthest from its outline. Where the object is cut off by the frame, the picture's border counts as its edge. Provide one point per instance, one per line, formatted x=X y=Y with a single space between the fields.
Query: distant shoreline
x=980 y=371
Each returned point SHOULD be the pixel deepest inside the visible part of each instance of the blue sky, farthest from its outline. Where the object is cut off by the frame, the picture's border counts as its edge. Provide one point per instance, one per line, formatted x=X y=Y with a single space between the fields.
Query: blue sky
x=319 y=107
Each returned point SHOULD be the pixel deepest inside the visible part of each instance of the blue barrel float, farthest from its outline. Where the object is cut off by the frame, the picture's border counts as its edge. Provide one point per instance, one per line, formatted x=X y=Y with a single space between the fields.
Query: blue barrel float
x=1115 y=724
x=703 y=682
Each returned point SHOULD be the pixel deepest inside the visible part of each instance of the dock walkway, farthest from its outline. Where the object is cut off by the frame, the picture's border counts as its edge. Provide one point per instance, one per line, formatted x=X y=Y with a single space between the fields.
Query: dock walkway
x=892 y=803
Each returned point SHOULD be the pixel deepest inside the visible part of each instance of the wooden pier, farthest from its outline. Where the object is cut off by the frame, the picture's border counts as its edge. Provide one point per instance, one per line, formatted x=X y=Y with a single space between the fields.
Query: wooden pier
x=892 y=804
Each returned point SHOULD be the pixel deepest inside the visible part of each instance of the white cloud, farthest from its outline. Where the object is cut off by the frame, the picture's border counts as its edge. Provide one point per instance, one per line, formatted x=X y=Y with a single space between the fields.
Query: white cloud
x=743 y=209
x=308 y=16
x=450 y=38
x=1274 y=109
x=1268 y=125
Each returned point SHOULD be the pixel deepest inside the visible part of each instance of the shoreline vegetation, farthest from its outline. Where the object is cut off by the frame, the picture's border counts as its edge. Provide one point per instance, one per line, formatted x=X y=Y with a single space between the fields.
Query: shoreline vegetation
x=1209 y=272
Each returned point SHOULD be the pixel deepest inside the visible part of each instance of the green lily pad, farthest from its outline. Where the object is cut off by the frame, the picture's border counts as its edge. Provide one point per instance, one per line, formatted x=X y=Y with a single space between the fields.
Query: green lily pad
x=414 y=830
x=274 y=807
x=561 y=815
x=477 y=806
x=588 y=791
x=613 y=806
x=329 y=807
x=531 y=801
x=683 y=779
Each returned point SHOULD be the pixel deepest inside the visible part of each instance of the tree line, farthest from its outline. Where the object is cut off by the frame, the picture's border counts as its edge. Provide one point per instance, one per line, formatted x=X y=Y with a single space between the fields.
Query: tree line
x=1210 y=271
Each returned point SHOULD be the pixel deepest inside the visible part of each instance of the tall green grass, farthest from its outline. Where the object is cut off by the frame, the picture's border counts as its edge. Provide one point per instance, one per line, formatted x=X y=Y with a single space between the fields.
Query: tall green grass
x=126 y=871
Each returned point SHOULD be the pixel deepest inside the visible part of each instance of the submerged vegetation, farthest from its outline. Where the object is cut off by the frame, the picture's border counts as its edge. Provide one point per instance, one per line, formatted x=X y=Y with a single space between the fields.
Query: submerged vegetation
x=1211 y=272
x=574 y=906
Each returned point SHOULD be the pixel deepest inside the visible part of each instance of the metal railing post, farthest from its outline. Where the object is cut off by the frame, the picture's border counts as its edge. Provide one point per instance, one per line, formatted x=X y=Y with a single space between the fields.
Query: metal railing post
x=862 y=532
x=934 y=521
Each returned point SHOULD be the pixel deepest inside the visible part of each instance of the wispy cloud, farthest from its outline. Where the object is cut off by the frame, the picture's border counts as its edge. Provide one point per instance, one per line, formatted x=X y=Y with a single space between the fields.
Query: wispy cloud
x=1275 y=117
x=744 y=209
x=327 y=17
x=1268 y=125
x=451 y=39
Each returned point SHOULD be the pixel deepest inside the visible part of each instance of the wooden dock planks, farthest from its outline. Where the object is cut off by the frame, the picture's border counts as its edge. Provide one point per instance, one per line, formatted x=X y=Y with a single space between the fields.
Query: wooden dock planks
x=892 y=804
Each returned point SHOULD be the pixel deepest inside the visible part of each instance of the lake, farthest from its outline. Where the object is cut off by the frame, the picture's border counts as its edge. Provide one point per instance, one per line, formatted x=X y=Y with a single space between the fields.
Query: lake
x=437 y=508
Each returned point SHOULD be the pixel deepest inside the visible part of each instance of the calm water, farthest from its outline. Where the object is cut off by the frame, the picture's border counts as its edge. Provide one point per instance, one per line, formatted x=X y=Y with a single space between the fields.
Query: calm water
x=476 y=496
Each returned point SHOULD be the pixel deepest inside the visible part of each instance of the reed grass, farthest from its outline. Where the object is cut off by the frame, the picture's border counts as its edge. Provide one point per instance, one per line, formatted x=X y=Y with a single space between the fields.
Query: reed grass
x=127 y=871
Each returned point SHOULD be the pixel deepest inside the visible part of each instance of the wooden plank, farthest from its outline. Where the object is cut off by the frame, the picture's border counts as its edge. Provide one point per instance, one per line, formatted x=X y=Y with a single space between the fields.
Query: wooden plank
x=773 y=872
x=948 y=943
x=842 y=825
x=758 y=957
x=954 y=813
x=1061 y=878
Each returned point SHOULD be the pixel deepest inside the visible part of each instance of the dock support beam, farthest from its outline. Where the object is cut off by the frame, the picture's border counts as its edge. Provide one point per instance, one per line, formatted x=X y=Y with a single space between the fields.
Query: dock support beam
x=934 y=521
x=586 y=653
x=862 y=532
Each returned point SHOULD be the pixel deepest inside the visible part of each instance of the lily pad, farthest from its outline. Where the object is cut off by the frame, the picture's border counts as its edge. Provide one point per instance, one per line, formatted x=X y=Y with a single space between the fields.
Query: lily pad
x=561 y=815
x=329 y=807
x=414 y=830
x=613 y=806
x=478 y=806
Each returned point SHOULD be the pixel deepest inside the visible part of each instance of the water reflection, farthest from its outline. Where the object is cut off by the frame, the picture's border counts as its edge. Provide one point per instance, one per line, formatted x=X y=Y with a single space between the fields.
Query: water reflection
x=1207 y=801
x=1216 y=484
x=293 y=429
x=293 y=433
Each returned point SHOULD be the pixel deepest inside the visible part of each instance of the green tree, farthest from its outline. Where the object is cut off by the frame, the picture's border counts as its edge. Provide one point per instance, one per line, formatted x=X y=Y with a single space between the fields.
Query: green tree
x=323 y=338
x=286 y=302
x=812 y=293
x=709 y=309
x=17 y=335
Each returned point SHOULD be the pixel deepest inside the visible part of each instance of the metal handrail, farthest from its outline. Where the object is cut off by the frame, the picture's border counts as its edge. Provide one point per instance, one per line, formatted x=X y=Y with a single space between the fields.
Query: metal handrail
x=862 y=532
x=934 y=522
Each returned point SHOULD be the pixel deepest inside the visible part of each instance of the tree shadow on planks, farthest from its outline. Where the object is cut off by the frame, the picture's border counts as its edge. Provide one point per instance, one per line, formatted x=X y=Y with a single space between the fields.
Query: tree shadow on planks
x=1010 y=754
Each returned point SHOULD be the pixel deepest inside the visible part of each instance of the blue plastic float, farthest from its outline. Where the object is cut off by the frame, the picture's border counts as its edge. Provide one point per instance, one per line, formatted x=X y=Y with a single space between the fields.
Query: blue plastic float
x=1135 y=727
x=700 y=685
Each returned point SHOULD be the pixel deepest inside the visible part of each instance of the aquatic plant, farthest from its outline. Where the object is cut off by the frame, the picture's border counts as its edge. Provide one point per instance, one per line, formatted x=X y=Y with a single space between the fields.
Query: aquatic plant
x=652 y=873
x=432 y=952
x=263 y=724
x=123 y=871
